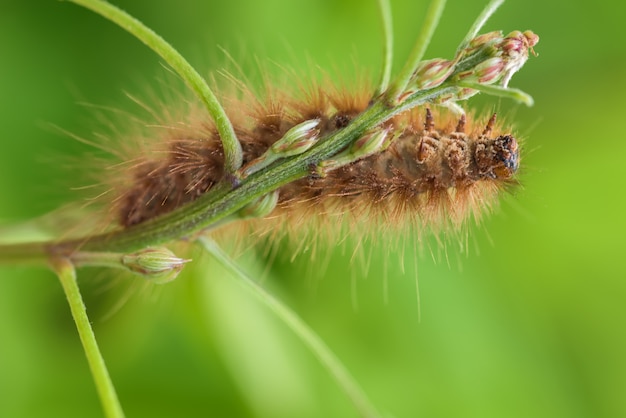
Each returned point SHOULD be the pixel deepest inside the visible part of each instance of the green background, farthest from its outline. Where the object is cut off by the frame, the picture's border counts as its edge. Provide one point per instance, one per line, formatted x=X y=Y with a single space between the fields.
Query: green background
x=530 y=322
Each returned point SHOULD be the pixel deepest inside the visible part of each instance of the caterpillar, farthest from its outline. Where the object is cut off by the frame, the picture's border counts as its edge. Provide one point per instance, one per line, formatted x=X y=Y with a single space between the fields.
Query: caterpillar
x=440 y=169
x=409 y=161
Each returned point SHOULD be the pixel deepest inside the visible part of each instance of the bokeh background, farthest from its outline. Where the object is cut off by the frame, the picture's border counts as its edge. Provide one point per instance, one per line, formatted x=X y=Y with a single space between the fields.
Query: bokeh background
x=529 y=321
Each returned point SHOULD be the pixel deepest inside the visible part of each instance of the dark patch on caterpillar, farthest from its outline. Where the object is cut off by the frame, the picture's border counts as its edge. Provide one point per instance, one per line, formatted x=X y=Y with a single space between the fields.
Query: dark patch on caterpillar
x=439 y=170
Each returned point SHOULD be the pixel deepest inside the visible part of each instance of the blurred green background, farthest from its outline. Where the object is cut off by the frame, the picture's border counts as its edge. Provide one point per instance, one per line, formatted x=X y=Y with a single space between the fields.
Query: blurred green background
x=530 y=322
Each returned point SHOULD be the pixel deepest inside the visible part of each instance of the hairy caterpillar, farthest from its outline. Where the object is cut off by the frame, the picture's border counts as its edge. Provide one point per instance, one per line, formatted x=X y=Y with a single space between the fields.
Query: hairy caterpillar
x=437 y=169
x=440 y=169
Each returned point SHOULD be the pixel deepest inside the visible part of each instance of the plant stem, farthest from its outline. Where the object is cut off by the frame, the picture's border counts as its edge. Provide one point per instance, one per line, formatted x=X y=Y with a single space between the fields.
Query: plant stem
x=317 y=346
x=24 y=253
x=430 y=23
x=221 y=202
x=233 y=155
x=104 y=385
x=499 y=91
x=480 y=21
x=387 y=26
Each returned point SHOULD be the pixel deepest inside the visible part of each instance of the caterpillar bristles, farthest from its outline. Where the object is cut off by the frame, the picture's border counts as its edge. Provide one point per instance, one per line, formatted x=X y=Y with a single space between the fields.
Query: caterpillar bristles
x=440 y=170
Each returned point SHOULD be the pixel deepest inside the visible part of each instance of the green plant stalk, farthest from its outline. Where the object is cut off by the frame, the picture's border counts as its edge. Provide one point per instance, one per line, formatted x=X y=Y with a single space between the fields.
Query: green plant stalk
x=480 y=21
x=433 y=15
x=233 y=155
x=106 y=391
x=213 y=207
x=225 y=199
x=317 y=346
x=387 y=26
x=499 y=91
x=221 y=202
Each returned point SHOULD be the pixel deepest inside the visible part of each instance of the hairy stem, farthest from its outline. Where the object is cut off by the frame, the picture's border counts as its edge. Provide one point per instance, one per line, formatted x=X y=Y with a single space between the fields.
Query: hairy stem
x=233 y=155
x=104 y=385
x=317 y=346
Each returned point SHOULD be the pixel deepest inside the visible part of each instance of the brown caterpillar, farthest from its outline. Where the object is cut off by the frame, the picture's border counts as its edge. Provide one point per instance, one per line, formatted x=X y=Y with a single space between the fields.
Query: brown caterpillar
x=439 y=170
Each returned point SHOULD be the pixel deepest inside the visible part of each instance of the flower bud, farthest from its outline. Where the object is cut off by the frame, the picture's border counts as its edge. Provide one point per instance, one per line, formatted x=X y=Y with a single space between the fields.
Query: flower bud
x=487 y=72
x=483 y=40
x=158 y=265
x=514 y=51
x=297 y=139
x=260 y=207
x=371 y=144
x=365 y=146
x=500 y=57
x=432 y=73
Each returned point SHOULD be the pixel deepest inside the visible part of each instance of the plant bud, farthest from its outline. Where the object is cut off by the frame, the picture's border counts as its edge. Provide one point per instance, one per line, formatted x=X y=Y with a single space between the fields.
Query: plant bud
x=158 y=265
x=432 y=73
x=261 y=207
x=481 y=41
x=514 y=50
x=487 y=72
x=370 y=144
x=365 y=146
x=297 y=139
x=504 y=56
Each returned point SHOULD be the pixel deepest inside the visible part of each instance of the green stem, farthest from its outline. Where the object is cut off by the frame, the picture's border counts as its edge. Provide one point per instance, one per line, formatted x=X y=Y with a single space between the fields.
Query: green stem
x=213 y=207
x=24 y=253
x=233 y=156
x=104 y=385
x=221 y=202
x=317 y=346
x=499 y=91
x=387 y=26
x=480 y=21
x=428 y=28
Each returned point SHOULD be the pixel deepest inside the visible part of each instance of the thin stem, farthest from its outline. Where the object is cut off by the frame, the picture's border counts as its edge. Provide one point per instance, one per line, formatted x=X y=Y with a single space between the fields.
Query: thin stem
x=104 y=385
x=387 y=26
x=506 y=92
x=480 y=21
x=317 y=346
x=233 y=156
x=430 y=23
